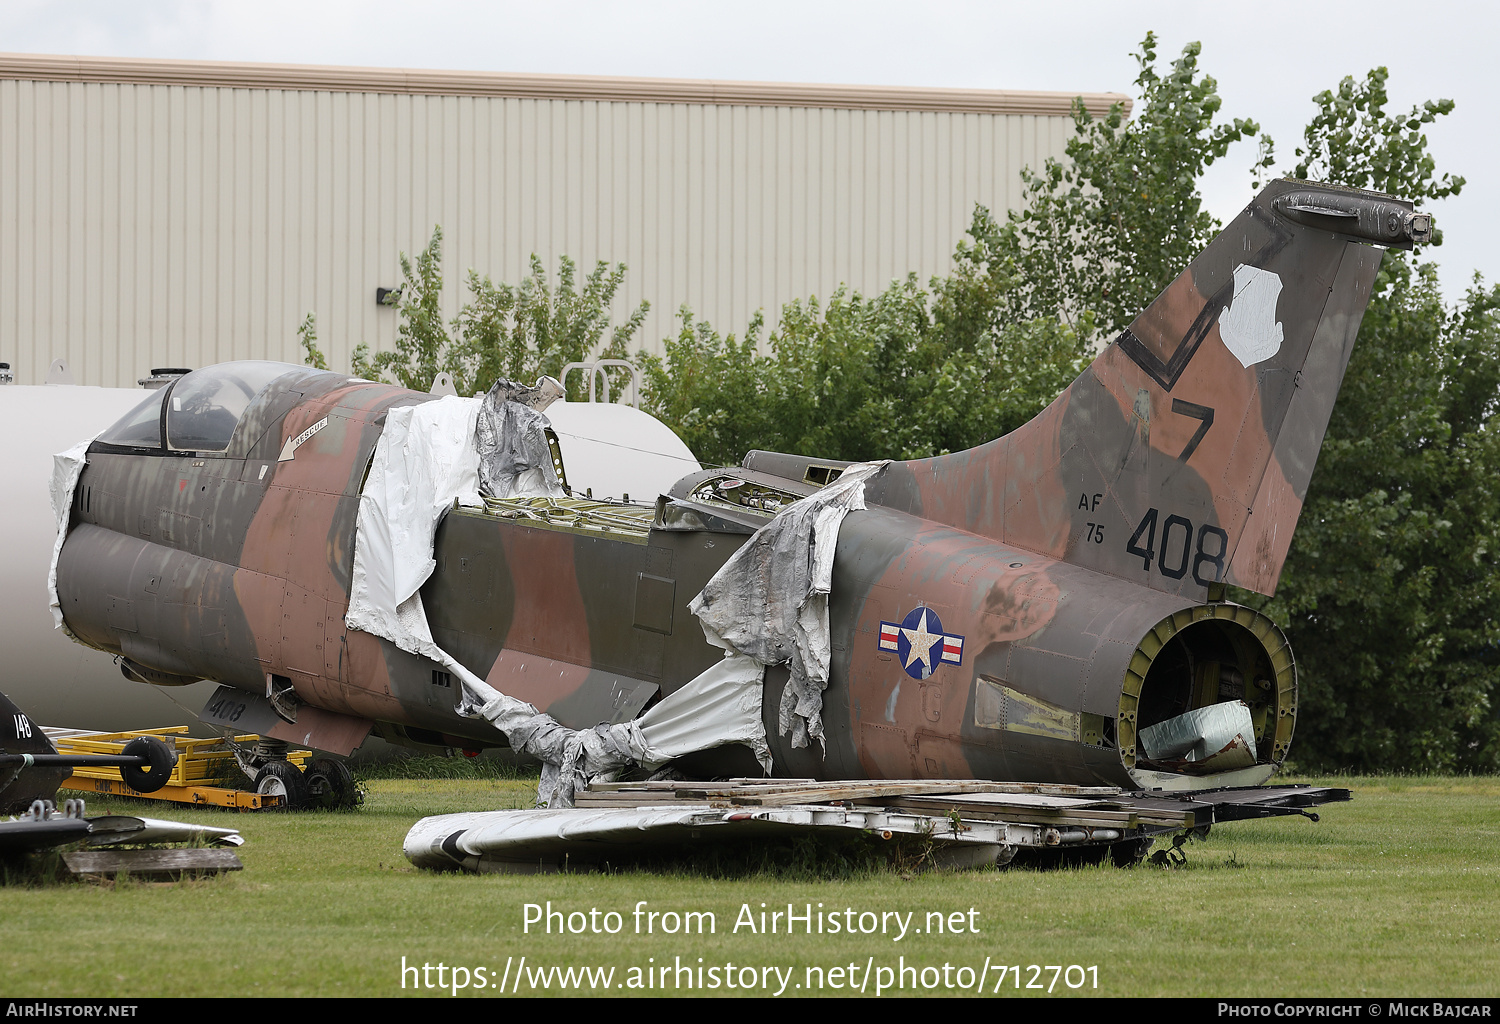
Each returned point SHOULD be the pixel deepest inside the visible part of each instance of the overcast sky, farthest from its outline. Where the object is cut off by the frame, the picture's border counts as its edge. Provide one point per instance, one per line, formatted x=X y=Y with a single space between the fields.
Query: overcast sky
x=1269 y=58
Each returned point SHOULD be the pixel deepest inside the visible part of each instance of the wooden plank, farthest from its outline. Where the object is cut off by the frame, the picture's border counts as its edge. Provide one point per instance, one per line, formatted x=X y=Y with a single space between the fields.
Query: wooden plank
x=151 y=863
x=1035 y=803
x=825 y=793
x=1083 y=816
x=1029 y=815
x=767 y=787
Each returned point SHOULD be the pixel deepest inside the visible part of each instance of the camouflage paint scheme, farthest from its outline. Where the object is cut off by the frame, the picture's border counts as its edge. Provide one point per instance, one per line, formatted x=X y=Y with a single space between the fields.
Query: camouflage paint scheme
x=1076 y=566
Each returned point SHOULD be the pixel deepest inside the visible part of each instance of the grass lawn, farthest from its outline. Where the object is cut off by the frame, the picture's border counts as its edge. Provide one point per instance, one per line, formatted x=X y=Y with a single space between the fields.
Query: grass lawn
x=1395 y=893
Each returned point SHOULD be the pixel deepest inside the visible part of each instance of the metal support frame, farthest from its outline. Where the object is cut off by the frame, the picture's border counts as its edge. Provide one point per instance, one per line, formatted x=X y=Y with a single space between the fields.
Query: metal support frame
x=594 y=372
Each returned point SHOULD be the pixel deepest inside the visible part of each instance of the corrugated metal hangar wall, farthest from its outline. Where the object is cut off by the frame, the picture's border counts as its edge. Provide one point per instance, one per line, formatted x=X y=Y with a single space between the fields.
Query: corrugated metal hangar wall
x=177 y=213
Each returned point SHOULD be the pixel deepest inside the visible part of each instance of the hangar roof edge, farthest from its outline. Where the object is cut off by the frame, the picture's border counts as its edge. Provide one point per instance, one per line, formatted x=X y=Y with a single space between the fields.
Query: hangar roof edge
x=230 y=75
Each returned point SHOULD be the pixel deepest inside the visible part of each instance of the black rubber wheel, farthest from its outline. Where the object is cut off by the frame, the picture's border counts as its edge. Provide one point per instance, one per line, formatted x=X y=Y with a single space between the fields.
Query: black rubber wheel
x=330 y=785
x=281 y=778
x=153 y=775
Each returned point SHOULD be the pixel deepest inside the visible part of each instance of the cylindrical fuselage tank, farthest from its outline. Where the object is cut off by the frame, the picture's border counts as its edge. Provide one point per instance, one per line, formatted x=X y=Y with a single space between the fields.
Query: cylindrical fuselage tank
x=55 y=681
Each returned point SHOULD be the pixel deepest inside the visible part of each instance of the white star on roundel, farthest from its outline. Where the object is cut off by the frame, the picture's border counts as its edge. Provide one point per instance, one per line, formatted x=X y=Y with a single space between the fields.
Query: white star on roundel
x=922 y=643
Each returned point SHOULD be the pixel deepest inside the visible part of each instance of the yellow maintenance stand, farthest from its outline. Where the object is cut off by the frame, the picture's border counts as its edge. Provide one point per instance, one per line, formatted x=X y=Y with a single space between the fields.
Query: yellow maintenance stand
x=202 y=768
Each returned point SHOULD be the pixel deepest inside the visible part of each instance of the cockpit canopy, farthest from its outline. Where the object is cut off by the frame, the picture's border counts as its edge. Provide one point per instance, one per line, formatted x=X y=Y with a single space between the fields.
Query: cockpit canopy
x=198 y=411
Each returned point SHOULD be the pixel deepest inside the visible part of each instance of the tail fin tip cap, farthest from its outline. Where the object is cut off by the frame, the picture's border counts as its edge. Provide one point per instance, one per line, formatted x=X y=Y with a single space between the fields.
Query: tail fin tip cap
x=1365 y=216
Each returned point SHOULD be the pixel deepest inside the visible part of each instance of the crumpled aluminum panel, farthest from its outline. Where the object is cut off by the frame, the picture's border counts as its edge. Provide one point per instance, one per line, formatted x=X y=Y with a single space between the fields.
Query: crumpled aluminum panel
x=1202 y=733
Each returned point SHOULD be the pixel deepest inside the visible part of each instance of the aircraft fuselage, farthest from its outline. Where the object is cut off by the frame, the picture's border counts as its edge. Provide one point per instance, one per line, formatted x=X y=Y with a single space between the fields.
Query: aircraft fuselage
x=1022 y=610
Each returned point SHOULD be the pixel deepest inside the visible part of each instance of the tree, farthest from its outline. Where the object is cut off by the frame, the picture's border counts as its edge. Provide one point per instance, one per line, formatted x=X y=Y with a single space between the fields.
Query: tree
x=1352 y=141
x=1103 y=231
x=1390 y=587
x=422 y=341
x=907 y=373
x=524 y=331
x=307 y=335
x=517 y=332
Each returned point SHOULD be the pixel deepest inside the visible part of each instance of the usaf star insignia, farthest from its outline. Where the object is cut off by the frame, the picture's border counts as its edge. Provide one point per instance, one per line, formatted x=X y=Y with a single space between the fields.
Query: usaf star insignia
x=920 y=643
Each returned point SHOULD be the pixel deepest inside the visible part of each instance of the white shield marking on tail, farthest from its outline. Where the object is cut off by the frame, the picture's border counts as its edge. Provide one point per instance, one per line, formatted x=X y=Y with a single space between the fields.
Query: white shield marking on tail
x=1249 y=326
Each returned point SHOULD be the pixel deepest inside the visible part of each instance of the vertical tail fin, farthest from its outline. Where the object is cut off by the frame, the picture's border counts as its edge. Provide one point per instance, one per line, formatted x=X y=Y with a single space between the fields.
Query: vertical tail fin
x=1181 y=457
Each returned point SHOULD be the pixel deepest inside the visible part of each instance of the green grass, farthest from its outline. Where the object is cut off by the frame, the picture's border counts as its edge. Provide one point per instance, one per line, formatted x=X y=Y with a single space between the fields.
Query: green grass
x=1396 y=893
x=435 y=766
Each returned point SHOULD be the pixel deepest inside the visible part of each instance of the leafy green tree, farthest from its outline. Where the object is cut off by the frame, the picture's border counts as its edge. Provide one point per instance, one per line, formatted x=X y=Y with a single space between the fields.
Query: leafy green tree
x=707 y=388
x=1390 y=585
x=521 y=332
x=904 y=374
x=422 y=341
x=518 y=332
x=913 y=372
x=307 y=335
x=1103 y=231
x=1352 y=141
x=1390 y=588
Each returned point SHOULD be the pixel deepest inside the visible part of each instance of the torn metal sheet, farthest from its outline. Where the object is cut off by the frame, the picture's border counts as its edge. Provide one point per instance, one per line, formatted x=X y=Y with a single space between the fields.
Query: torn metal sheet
x=46 y=825
x=769 y=601
x=114 y=829
x=722 y=705
x=515 y=459
x=67 y=467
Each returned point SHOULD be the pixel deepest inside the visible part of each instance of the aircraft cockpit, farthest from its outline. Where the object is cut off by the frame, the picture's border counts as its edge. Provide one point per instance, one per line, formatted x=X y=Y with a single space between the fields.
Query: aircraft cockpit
x=199 y=411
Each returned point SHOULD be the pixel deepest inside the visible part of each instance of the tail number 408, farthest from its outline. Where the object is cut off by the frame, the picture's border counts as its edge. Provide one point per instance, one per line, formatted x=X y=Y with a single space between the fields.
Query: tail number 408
x=1177 y=548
